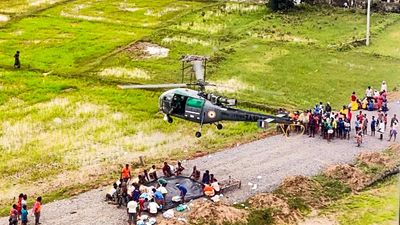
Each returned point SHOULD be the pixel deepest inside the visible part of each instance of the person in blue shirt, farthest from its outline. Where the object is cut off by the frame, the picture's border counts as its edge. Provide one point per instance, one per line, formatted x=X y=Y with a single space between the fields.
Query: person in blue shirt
x=136 y=193
x=24 y=215
x=373 y=126
x=159 y=197
x=183 y=192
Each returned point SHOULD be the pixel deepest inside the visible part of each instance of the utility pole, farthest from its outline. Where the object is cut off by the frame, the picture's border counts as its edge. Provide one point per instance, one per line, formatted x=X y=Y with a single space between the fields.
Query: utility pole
x=368 y=21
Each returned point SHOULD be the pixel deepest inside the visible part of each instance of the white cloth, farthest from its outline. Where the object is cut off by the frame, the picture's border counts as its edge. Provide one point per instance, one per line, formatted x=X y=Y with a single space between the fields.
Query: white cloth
x=153 y=207
x=132 y=205
x=216 y=186
x=112 y=191
x=163 y=190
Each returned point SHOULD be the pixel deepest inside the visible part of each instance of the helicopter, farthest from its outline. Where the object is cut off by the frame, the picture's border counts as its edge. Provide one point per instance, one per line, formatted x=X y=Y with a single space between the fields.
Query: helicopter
x=183 y=101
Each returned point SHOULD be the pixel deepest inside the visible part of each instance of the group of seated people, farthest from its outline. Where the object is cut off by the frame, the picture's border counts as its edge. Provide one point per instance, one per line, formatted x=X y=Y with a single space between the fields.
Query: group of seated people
x=152 y=198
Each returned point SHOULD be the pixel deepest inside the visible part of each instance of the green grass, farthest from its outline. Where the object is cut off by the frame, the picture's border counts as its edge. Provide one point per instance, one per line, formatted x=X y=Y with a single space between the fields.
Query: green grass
x=379 y=205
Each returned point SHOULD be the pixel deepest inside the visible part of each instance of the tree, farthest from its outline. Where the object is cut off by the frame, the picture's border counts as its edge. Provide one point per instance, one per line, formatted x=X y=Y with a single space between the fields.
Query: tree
x=280 y=5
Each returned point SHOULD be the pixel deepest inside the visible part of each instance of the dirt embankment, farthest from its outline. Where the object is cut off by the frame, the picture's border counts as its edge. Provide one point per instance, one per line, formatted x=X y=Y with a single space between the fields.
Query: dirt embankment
x=216 y=213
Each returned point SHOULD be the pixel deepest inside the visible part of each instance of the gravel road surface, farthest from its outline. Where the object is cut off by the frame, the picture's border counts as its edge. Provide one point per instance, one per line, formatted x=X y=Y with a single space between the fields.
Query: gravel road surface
x=263 y=163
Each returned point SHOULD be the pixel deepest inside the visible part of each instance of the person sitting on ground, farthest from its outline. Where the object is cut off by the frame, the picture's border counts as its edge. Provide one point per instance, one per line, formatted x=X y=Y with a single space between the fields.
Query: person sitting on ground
x=179 y=169
x=159 y=197
x=153 y=208
x=182 y=191
x=111 y=194
x=126 y=173
x=167 y=170
x=131 y=209
x=206 y=177
x=212 y=178
x=153 y=173
x=216 y=187
x=208 y=190
x=195 y=174
x=24 y=215
x=370 y=106
x=146 y=176
x=141 y=179
x=13 y=219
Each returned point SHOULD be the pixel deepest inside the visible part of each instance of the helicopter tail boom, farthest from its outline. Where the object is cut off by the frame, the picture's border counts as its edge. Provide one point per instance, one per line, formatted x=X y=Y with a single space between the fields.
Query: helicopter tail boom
x=241 y=115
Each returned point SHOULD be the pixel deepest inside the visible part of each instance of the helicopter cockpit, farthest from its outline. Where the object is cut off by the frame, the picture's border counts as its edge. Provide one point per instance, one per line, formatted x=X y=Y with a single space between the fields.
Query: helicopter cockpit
x=172 y=103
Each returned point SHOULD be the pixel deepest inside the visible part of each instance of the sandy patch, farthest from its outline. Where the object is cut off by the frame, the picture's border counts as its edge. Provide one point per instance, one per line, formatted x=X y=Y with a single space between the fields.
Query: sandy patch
x=374 y=158
x=186 y=40
x=281 y=213
x=121 y=72
x=4 y=18
x=206 y=212
x=318 y=221
x=128 y=7
x=41 y=2
x=148 y=50
x=349 y=175
x=305 y=188
x=201 y=27
x=228 y=86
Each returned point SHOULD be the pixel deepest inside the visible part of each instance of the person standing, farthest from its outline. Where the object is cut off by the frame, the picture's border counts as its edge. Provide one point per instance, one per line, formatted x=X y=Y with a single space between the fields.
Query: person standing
x=393 y=120
x=381 y=129
x=17 y=63
x=126 y=173
x=384 y=86
x=393 y=131
x=24 y=215
x=132 y=209
x=37 y=208
x=373 y=125
x=13 y=219
x=369 y=93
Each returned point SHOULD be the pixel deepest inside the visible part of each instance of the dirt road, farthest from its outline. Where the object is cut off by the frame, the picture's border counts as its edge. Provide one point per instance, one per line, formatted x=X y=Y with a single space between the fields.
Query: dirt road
x=262 y=163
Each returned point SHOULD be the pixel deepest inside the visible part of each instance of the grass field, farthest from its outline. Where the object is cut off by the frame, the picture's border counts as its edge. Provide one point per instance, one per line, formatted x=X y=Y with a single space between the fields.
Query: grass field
x=379 y=205
x=64 y=122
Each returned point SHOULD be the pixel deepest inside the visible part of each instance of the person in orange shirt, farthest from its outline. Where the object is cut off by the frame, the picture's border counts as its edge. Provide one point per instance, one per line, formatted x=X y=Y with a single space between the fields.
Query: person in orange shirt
x=208 y=190
x=37 y=208
x=126 y=173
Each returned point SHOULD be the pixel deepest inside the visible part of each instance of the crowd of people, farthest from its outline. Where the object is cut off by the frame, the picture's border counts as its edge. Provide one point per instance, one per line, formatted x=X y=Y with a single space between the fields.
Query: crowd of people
x=19 y=211
x=139 y=196
x=330 y=124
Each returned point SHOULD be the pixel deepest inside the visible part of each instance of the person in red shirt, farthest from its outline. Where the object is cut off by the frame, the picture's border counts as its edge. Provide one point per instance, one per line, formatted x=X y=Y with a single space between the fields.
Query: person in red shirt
x=349 y=115
x=13 y=220
x=167 y=170
x=353 y=97
x=37 y=208
x=126 y=173
x=19 y=203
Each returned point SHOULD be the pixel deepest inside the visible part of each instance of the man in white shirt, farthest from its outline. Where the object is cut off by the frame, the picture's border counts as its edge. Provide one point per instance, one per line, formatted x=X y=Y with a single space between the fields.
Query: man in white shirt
x=369 y=93
x=131 y=209
x=153 y=207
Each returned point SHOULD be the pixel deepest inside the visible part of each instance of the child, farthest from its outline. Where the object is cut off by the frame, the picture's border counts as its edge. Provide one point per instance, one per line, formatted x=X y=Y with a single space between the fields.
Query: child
x=24 y=215
x=358 y=138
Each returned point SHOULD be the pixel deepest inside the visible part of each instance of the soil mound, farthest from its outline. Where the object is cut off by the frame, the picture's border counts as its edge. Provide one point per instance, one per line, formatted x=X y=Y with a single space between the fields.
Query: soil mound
x=374 y=158
x=217 y=213
x=349 y=175
x=305 y=188
x=282 y=211
x=147 y=50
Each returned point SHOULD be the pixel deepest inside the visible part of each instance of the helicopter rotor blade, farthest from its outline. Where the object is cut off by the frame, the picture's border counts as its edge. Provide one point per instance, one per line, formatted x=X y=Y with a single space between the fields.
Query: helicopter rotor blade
x=151 y=86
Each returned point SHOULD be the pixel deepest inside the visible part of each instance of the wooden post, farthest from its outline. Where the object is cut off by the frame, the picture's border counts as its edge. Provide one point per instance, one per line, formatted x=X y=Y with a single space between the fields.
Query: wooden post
x=141 y=160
